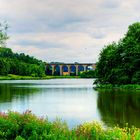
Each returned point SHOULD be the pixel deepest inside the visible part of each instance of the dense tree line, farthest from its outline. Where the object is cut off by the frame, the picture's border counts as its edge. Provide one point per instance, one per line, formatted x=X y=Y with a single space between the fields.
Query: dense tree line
x=119 y=63
x=14 y=63
x=20 y=64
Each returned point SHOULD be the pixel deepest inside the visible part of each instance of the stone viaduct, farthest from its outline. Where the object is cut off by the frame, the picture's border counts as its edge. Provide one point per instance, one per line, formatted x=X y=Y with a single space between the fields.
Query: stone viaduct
x=69 y=66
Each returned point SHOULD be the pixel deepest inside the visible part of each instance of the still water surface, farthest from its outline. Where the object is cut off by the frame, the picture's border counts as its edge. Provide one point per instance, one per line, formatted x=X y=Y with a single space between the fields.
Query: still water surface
x=72 y=100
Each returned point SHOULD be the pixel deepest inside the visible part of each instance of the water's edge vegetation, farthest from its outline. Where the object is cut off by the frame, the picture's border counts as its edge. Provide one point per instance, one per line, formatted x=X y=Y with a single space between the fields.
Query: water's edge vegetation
x=118 y=66
x=119 y=62
x=19 y=77
x=118 y=87
x=87 y=74
x=27 y=126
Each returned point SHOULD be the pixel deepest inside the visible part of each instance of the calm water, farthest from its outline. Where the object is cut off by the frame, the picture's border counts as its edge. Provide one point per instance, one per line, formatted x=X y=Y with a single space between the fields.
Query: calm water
x=72 y=100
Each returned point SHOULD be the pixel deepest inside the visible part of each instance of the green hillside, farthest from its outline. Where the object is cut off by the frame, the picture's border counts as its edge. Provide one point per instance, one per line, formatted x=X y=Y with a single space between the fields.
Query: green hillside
x=20 y=64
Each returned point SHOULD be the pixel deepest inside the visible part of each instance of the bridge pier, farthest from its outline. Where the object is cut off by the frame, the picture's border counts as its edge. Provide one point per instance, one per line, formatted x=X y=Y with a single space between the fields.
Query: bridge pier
x=61 y=70
x=94 y=66
x=85 y=67
x=76 y=66
x=69 y=69
x=53 y=69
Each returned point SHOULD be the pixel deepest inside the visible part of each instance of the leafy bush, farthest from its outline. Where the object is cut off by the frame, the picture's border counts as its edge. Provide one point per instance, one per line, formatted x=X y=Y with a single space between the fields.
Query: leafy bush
x=27 y=126
x=88 y=74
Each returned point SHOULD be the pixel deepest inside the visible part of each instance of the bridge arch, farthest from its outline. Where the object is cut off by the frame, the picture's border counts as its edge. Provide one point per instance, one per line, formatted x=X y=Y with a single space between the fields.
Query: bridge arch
x=57 y=70
x=65 y=70
x=72 y=70
x=80 y=68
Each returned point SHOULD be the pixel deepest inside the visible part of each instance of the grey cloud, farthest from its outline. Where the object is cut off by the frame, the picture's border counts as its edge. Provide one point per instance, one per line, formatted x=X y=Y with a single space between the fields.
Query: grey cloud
x=41 y=44
x=101 y=21
x=111 y=4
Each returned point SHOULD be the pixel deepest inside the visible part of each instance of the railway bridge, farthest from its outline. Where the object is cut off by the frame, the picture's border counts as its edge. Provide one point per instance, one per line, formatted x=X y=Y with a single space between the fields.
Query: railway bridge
x=68 y=68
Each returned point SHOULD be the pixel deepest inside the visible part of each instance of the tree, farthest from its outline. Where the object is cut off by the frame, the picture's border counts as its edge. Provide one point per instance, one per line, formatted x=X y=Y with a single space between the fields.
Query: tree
x=88 y=74
x=19 y=64
x=4 y=67
x=119 y=63
x=3 y=34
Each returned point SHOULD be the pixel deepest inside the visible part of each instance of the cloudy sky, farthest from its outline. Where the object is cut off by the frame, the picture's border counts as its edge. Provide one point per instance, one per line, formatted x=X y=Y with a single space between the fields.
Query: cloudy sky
x=66 y=30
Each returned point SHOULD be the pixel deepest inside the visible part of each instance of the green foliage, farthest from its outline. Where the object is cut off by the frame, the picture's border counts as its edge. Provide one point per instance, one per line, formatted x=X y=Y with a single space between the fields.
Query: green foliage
x=27 y=126
x=20 y=64
x=3 y=34
x=88 y=74
x=4 y=67
x=125 y=87
x=119 y=63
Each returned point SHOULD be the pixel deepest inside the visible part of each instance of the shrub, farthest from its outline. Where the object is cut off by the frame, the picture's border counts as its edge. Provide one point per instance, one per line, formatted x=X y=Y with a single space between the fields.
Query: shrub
x=27 y=126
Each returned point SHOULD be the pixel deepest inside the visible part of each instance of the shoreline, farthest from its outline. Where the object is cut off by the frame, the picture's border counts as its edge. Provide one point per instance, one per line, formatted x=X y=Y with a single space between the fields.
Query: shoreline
x=118 y=87
x=96 y=87
x=18 y=77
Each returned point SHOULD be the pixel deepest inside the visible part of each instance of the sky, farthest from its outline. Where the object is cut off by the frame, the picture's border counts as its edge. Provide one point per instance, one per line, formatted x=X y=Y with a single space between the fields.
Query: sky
x=66 y=30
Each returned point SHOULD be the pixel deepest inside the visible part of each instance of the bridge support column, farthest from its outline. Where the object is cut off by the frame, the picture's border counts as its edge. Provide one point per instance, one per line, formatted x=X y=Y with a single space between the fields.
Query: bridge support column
x=61 y=70
x=85 y=67
x=94 y=66
x=68 y=69
x=53 y=69
x=76 y=70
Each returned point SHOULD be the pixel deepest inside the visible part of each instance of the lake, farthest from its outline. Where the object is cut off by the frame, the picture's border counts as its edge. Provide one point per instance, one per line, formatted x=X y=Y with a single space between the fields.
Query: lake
x=73 y=100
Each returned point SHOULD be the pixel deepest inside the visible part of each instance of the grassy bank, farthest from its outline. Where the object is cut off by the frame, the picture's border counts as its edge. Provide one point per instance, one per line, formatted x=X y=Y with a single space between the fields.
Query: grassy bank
x=26 y=126
x=110 y=86
x=18 y=77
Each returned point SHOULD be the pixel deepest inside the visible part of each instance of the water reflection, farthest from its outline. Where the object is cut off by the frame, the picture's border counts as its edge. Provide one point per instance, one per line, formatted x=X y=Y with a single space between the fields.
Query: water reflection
x=119 y=107
x=73 y=100
x=14 y=98
x=8 y=92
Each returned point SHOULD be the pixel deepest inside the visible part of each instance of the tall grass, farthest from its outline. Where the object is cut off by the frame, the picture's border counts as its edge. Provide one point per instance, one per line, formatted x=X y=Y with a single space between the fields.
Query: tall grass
x=26 y=126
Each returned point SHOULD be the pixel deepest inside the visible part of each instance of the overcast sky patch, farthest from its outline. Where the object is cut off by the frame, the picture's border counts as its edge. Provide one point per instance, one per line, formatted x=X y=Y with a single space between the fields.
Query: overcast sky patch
x=67 y=30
